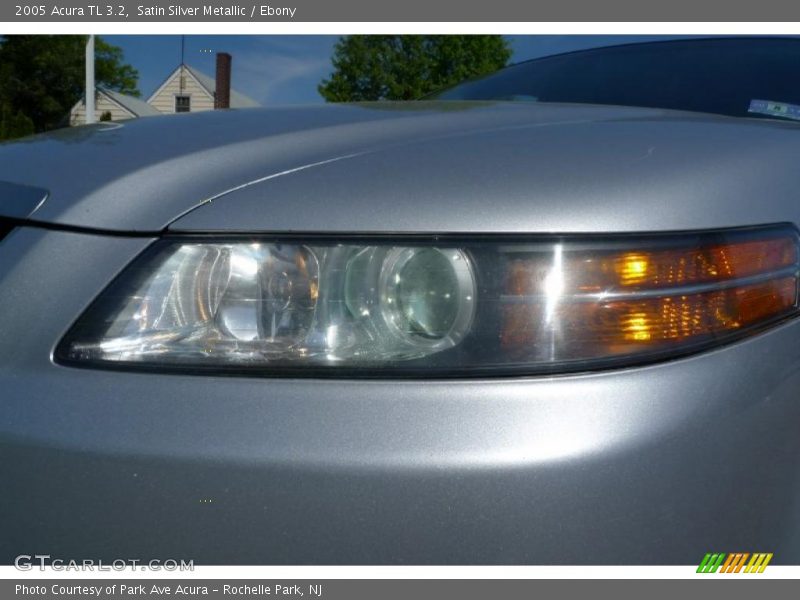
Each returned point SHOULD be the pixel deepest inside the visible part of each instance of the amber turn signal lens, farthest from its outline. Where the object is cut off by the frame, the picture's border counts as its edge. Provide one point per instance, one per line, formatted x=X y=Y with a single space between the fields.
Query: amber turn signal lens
x=585 y=303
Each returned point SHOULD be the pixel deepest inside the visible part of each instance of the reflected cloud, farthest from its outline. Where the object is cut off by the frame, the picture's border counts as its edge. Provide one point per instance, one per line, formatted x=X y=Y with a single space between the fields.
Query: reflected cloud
x=272 y=72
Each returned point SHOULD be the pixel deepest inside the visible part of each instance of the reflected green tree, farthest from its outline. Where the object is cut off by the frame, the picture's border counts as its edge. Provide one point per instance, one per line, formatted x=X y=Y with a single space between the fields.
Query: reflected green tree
x=407 y=67
x=42 y=77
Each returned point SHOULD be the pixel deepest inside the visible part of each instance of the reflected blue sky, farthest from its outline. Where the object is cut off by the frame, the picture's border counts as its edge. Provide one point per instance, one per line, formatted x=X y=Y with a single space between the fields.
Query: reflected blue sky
x=285 y=69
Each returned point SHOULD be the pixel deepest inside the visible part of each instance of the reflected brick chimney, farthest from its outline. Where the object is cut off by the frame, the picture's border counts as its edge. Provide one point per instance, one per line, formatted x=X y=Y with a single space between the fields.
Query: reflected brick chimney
x=222 y=94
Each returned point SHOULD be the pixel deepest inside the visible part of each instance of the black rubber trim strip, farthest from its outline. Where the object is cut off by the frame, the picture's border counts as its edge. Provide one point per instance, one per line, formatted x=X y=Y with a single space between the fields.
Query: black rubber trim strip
x=6 y=227
x=397 y=237
x=33 y=223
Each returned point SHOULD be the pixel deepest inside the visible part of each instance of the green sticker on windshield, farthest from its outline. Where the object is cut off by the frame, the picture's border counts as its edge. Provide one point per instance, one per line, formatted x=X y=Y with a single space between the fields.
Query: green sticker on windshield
x=775 y=109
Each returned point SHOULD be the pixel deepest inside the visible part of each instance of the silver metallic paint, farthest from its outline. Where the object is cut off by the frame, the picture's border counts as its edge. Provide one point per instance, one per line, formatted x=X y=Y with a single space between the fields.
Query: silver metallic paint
x=648 y=465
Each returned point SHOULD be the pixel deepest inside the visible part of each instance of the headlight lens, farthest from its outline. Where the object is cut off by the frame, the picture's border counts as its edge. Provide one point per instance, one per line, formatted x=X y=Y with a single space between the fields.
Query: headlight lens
x=486 y=306
x=428 y=294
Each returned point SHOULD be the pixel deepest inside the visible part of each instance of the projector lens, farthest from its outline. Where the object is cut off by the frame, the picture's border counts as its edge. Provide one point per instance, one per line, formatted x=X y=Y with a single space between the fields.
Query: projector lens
x=428 y=294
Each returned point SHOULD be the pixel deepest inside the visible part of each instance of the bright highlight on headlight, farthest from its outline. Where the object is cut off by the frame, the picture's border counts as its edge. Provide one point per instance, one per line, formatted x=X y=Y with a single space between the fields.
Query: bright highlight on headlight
x=489 y=306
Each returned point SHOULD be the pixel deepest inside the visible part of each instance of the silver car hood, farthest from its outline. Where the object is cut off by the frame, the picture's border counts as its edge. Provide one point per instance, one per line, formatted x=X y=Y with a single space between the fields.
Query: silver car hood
x=413 y=167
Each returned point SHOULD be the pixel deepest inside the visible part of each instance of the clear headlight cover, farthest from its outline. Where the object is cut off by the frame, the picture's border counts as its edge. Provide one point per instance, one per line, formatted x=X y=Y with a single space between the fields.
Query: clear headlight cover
x=490 y=306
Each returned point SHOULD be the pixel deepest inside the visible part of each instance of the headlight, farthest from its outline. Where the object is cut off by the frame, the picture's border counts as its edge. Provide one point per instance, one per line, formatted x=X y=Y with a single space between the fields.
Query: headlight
x=494 y=305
